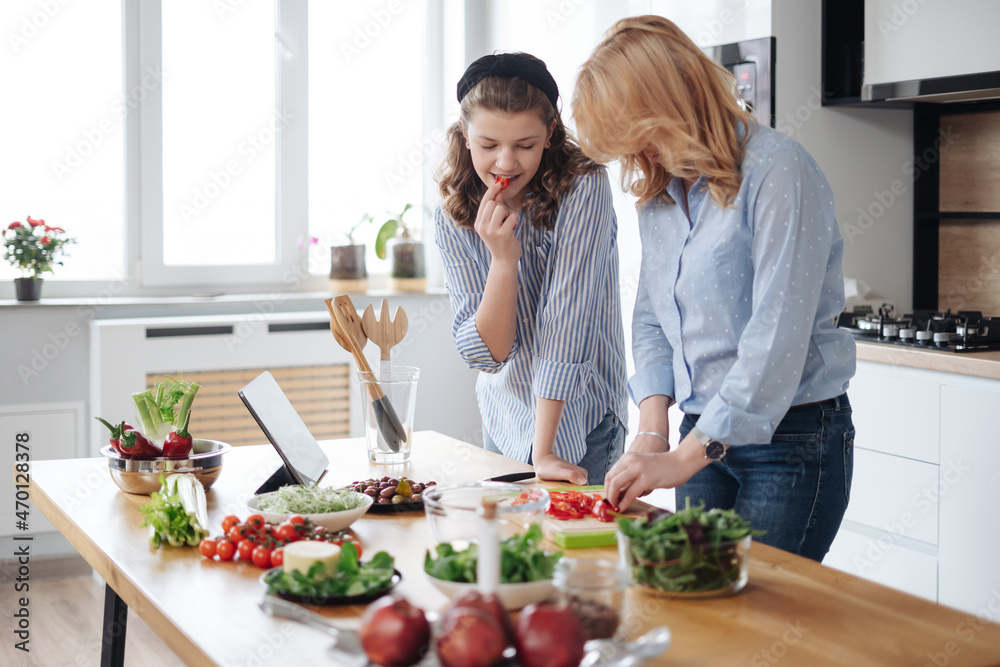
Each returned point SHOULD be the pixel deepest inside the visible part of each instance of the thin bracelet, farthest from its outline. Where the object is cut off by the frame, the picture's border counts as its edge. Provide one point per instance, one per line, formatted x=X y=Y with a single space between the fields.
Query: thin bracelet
x=658 y=435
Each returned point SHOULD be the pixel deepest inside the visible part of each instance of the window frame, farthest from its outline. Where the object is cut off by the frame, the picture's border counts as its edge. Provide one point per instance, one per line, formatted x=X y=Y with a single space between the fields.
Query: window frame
x=144 y=157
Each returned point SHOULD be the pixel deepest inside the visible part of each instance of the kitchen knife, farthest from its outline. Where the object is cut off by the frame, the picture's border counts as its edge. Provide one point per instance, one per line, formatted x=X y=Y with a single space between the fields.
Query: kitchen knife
x=511 y=477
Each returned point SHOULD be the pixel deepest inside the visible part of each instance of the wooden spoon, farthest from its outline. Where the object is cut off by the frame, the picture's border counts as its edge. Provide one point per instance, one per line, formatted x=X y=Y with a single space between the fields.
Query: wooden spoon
x=384 y=332
x=355 y=328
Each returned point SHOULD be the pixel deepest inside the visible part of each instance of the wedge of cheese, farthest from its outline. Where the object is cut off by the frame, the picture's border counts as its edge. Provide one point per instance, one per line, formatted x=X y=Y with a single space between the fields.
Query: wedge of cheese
x=300 y=556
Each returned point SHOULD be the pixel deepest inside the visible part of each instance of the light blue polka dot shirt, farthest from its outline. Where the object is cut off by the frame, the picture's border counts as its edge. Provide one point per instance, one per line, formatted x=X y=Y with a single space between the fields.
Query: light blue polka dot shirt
x=734 y=316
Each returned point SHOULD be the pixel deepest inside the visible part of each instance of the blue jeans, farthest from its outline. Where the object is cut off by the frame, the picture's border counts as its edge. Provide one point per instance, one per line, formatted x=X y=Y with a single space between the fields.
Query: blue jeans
x=795 y=487
x=605 y=445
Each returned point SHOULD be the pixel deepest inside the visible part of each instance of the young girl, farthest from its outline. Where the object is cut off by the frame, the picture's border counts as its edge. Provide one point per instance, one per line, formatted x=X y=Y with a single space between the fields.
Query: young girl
x=527 y=233
x=740 y=282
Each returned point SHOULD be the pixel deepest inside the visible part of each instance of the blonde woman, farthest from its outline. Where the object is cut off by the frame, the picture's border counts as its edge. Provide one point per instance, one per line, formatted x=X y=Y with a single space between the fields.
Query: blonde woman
x=527 y=233
x=740 y=282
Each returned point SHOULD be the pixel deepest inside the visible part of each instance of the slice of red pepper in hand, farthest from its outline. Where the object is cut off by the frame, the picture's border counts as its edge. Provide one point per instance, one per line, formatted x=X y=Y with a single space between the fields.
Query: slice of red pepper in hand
x=504 y=181
x=116 y=434
x=178 y=443
x=605 y=511
x=137 y=445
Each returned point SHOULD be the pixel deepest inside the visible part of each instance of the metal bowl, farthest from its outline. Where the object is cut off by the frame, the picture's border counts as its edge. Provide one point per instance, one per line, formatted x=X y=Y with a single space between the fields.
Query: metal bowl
x=142 y=476
x=453 y=516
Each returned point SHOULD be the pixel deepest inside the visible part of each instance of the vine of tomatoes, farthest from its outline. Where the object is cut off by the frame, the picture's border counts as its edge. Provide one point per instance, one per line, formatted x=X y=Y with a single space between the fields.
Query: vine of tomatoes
x=262 y=543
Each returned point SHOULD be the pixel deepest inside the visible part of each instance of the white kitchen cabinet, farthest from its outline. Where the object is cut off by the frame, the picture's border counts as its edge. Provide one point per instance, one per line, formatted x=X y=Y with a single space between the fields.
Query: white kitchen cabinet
x=926 y=488
x=970 y=497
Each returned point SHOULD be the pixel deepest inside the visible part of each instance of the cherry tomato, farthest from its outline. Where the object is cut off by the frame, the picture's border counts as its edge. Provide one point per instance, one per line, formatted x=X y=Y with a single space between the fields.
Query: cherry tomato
x=245 y=550
x=296 y=518
x=261 y=556
x=208 y=547
x=286 y=532
x=236 y=534
x=255 y=521
x=229 y=522
x=277 y=557
x=226 y=550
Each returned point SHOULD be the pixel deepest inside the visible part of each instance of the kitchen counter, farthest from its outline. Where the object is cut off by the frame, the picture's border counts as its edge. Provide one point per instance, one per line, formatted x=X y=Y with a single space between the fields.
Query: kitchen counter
x=975 y=364
x=206 y=611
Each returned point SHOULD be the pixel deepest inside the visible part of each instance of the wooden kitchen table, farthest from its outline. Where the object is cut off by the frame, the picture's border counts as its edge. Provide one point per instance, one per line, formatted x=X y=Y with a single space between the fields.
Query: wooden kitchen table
x=793 y=611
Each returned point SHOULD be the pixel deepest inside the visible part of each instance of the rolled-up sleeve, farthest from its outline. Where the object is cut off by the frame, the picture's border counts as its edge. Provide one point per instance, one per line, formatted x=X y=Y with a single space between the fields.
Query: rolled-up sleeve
x=578 y=271
x=652 y=353
x=465 y=270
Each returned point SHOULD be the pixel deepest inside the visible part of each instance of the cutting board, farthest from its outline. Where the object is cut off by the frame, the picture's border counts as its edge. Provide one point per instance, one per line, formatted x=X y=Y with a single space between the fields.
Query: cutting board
x=588 y=532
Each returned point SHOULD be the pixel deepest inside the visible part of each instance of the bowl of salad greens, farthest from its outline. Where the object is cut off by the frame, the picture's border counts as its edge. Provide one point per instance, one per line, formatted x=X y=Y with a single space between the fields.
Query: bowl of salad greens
x=692 y=553
x=333 y=509
x=525 y=569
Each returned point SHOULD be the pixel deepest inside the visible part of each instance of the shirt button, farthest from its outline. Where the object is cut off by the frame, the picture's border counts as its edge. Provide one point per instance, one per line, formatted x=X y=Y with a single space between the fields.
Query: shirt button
x=525 y=320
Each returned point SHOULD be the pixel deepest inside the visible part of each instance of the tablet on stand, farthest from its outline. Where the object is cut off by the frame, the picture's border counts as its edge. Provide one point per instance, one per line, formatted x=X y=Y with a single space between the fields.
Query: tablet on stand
x=303 y=462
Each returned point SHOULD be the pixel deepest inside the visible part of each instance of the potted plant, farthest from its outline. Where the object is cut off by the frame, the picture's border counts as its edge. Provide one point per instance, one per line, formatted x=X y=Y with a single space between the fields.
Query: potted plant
x=33 y=247
x=348 y=272
x=400 y=241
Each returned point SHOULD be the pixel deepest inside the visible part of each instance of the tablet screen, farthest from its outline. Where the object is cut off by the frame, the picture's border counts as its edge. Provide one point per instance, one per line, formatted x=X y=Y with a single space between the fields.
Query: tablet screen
x=284 y=428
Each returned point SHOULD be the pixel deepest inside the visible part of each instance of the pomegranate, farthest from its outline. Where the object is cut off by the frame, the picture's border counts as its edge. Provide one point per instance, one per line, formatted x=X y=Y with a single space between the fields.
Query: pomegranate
x=470 y=638
x=394 y=633
x=549 y=635
x=489 y=603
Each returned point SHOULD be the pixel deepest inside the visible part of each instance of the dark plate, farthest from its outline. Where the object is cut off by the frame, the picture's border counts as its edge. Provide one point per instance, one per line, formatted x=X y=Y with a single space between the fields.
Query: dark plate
x=329 y=600
x=389 y=508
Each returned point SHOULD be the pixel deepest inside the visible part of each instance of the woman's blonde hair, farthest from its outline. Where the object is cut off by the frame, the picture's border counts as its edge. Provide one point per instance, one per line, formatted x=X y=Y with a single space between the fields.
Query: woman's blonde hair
x=461 y=188
x=647 y=83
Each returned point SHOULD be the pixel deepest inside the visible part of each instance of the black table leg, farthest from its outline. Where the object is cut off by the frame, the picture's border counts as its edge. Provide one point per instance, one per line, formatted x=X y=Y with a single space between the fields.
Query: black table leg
x=113 y=637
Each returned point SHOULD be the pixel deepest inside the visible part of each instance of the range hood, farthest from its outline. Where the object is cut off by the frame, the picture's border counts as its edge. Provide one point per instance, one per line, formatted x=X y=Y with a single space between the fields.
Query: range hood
x=960 y=88
x=930 y=52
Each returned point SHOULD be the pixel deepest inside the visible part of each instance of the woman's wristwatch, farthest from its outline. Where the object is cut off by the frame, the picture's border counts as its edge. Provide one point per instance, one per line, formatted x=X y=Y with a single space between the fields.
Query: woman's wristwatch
x=714 y=450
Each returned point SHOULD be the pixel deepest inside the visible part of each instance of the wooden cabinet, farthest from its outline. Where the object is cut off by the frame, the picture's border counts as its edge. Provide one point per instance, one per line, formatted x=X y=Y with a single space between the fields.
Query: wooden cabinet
x=926 y=488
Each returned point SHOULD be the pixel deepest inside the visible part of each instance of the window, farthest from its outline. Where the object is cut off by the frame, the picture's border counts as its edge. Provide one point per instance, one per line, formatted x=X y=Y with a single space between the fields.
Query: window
x=62 y=128
x=367 y=149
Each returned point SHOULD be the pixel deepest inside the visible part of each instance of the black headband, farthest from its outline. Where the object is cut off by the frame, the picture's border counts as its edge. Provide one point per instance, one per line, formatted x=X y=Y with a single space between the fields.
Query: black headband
x=509 y=65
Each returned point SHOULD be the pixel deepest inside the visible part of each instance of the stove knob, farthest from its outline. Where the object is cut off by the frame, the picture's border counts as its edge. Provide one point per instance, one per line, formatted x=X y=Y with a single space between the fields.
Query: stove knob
x=925 y=337
x=907 y=335
x=890 y=331
x=942 y=338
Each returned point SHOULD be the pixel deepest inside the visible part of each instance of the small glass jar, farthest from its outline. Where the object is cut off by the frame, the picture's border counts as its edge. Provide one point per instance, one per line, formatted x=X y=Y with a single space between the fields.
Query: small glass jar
x=595 y=590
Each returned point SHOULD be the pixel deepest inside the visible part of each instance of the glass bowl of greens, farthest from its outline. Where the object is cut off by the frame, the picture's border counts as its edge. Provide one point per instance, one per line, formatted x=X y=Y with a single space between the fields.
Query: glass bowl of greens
x=333 y=509
x=693 y=553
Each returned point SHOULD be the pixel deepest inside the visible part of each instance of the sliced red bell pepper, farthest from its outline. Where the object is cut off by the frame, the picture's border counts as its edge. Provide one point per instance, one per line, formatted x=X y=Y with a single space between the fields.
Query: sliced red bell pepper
x=504 y=181
x=178 y=443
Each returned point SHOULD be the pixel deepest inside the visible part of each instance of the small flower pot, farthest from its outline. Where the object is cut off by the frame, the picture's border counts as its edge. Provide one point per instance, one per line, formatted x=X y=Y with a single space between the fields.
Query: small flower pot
x=408 y=273
x=28 y=289
x=348 y=272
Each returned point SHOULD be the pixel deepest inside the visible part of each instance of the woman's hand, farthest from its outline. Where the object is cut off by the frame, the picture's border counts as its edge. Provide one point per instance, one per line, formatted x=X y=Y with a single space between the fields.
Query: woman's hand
x=552 y=467
x=637 y=473
x=496 y=224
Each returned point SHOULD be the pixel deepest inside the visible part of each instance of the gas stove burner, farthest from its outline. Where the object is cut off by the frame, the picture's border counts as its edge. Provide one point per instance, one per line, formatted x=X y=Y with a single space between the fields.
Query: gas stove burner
x=964 y=331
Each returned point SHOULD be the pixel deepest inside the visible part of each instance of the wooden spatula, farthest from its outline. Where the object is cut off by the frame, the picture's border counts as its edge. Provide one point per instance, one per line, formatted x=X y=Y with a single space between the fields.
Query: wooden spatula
x=385 y=416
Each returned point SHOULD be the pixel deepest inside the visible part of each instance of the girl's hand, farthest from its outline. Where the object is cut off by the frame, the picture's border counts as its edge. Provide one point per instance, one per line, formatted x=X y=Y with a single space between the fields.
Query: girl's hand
x=552 y=467
x=496 y=224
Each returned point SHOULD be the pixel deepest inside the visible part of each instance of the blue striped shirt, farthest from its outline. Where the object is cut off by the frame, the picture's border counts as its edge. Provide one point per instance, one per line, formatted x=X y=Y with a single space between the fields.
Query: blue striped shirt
x=734 y=315
x=569 y=343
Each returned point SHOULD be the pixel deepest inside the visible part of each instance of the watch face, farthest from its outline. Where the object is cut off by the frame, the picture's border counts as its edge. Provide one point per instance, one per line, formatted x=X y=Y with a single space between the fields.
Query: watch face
x=715 y=450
